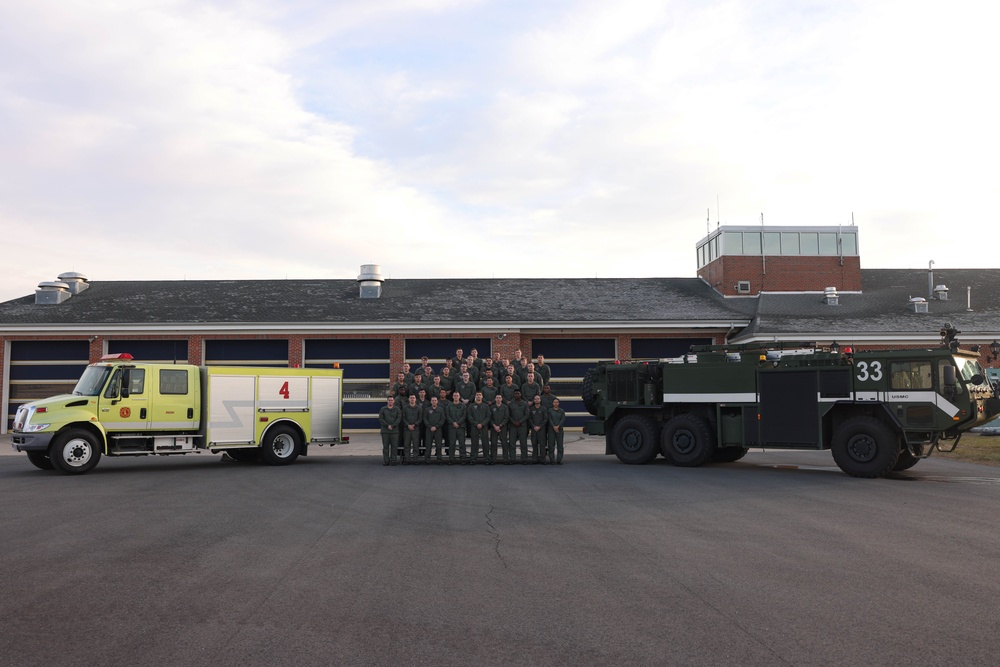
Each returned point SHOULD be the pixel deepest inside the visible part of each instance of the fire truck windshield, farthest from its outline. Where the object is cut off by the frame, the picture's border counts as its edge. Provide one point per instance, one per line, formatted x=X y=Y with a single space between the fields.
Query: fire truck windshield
x=969 y=368
x=92 y=381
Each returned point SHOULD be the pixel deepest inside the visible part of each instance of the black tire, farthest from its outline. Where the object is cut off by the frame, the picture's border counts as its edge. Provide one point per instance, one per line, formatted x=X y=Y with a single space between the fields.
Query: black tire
x=281 y=446
x=728 y=454
x=244 y=455
x=74 y=452
x=687 y=441
x=587 y=392
x=633 y=440
x=865 y=447
x=906 y=459
x=40 y=460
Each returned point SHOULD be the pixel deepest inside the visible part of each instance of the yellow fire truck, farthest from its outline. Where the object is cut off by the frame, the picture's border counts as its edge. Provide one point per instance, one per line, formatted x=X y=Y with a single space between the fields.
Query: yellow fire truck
x=124 y=408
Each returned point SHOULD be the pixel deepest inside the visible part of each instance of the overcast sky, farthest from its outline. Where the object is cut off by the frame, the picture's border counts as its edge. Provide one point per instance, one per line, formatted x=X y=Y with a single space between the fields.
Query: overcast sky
x=174 y=139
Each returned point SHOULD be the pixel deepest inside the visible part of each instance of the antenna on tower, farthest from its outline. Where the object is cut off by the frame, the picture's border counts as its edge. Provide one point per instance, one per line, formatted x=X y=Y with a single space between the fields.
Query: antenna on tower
x=718 y=216
x=708 y=221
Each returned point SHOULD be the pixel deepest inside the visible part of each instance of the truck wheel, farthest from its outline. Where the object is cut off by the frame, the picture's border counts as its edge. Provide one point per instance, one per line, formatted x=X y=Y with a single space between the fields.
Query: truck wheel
x=40 y=460
x=865 y=447
x=244 y=455
x=280 y=446
x=587 y=392
x=687 y=441
x=74 y=452
x=728 y=454
x=633 y=440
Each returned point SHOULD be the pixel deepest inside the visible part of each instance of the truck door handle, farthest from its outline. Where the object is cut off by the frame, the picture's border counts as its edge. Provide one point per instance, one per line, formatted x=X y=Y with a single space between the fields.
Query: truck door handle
x=190 y=413
x=142 y=413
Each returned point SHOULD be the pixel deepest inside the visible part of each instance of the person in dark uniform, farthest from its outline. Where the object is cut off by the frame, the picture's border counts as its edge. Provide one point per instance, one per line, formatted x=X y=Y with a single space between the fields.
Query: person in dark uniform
x=389 y=418
x=507 y=389
x=547 y=396
x=489 y=391
x=412 y=417
x=538 y=418
x=543 y=371
x=434 y=419
x=479 y=425
x=518 y=429
x=530 y=388
x=498 y=430
x=423 y=402
x=557 y=419
x=466 y=388
x=458 y=359
x=447 y=380
x=457 y=413
x=400 y=388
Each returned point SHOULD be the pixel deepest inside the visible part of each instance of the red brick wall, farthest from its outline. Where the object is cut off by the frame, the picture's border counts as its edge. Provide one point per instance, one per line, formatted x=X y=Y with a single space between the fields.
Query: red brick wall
x=783 y=273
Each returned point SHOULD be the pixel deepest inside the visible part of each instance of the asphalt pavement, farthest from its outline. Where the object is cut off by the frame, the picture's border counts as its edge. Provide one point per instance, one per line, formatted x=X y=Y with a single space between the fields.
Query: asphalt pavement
x=777 y=559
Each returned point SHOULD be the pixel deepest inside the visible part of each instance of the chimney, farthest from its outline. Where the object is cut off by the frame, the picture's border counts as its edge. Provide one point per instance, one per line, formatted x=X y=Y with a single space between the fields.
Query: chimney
x=371 y=281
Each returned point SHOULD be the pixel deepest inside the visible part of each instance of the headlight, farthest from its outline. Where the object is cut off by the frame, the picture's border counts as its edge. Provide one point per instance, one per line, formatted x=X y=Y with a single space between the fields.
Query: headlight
x=31 y=428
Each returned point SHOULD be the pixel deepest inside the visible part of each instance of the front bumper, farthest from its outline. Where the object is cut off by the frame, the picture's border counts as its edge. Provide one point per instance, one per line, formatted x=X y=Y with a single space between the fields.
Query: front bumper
x=31 y=442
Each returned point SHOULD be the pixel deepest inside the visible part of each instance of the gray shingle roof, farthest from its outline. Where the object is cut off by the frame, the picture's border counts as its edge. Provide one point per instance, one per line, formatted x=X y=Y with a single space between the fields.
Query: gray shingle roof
x=403 y=301
x=881 y=308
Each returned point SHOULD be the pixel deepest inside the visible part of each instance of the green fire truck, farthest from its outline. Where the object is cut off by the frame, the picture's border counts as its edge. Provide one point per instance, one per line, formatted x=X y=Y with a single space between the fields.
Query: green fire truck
x=121 y=407
x=878 y=410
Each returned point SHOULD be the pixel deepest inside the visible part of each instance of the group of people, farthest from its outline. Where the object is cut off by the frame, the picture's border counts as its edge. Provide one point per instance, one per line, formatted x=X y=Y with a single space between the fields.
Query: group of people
x=429 y=415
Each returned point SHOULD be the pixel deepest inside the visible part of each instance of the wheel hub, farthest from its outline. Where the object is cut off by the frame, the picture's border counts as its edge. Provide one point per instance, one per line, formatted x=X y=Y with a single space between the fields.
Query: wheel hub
x=683 y=442
x=862 y=448
x=632 y=440
x=76 y=452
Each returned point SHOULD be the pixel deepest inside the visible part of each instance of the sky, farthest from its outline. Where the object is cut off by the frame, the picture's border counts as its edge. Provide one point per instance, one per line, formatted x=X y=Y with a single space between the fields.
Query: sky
x=291 y=139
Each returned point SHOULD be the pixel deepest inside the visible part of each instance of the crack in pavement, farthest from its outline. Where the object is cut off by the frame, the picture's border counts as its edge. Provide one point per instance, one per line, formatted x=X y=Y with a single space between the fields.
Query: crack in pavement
x=492 y=530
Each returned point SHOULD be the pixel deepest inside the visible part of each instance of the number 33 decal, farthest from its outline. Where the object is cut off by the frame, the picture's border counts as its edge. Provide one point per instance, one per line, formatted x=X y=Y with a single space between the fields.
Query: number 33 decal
x=875 y=373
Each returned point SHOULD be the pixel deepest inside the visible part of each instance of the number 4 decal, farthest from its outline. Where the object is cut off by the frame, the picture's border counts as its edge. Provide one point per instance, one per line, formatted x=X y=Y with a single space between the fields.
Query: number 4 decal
x=284 y=391
x=864 y=375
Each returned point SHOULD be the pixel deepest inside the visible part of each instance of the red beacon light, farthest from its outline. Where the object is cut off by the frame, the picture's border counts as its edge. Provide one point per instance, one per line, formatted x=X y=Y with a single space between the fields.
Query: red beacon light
x=121 y=356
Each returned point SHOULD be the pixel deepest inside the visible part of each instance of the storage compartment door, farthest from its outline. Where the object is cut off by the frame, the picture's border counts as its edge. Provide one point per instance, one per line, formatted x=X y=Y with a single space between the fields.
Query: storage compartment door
x=326 y=393
x=231 y=408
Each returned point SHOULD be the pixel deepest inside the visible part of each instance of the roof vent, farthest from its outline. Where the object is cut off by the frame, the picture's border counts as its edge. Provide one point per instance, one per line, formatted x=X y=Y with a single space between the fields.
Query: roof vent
x=941 y=293
x=371 y=281
x=52 y=292
x=77 y=282
x=918 y=304
x=830 y=296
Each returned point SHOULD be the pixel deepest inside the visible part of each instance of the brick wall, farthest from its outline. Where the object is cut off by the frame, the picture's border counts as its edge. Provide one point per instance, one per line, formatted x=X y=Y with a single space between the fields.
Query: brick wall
x=781 y=273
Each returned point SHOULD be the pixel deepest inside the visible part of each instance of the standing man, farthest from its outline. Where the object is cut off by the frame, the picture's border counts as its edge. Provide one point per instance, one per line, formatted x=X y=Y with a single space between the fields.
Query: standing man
x=538 y=418
x=479 y=425
x=388 y=418
x=466 y=388
x=498 y=431
x=457 y=413
x=557 y=419
x=412 y=417
x=447 y=379
x=400 y=388
x=458 y=359
x=507 y=389
x=434 y=419
x=543 y=371
x=518 y=429
x=489 y=391
x=547 y=396
x=530 y=388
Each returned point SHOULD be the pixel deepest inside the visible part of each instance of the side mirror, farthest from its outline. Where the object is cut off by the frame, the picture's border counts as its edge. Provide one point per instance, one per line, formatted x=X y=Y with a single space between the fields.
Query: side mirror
x=977 y=379
x=949 y=378
x=126 y=382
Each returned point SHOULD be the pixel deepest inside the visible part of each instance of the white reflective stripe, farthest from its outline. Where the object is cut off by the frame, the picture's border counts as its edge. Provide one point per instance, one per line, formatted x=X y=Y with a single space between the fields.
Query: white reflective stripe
x=866 y=396
x=945 y=405
x=139 y=426
x=748 y=397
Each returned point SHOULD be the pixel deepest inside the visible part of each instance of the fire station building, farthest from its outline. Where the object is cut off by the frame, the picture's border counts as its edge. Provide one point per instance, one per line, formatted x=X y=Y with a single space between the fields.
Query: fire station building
x=752 y=284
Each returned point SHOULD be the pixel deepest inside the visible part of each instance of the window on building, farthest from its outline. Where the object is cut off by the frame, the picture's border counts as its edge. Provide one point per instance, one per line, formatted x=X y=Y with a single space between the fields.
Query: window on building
x=809 y=243
x=772 y=243
x=751 y=243
x=828 y=243
x=789 y=243
x=732 y=243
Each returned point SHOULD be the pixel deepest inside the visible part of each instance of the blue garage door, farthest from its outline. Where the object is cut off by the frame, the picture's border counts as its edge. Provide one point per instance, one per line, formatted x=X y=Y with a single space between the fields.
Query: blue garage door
x=664 y=348
x=570 y=359
x=152 y=351
x=365 y=363
x=246 y=352
x=39 y=369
